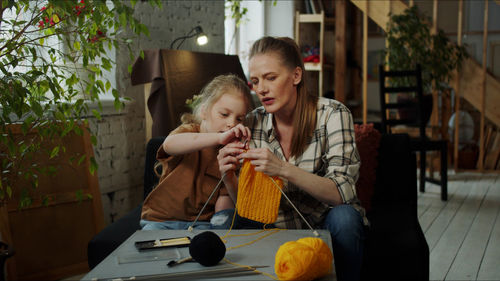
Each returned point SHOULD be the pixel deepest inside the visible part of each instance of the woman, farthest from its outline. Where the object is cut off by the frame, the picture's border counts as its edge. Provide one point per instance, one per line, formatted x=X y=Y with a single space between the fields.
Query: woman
x=308 y=142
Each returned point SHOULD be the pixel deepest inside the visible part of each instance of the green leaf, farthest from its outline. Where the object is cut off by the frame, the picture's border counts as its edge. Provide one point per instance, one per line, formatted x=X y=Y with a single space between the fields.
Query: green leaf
x=79 y=195
x=8 y=190
x=37 y=108
x=49 y=31
x=45 y=201
x=54 y=152
x=76 y=45
x=96 y=114
x=123 y=19
x=81 y=159
x=93 y=166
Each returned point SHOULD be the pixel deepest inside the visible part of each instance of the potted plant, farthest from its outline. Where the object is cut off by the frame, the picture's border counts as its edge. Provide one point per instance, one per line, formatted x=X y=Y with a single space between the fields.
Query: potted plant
x=410 y=42
x=54 y=55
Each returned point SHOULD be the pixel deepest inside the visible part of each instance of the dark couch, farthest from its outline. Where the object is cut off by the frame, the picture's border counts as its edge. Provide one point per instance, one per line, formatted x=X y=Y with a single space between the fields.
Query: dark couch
x=395 y=247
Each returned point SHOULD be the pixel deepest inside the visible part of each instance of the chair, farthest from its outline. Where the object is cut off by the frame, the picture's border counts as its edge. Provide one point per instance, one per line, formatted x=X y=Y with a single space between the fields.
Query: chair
x=421 y=143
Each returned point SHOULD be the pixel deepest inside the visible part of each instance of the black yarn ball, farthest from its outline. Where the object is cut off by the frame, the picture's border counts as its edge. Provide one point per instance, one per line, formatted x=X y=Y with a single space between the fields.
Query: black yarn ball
x=207 y=248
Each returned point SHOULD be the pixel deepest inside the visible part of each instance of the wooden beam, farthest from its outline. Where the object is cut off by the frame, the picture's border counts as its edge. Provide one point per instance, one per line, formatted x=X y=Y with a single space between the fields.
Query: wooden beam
x=340 y=50
x=483 y=88
x=377 y=10
x=357 y=56
x=435 y=98
x=470 y=85
x=321 y=52
x=365 y=64
x=457 y=88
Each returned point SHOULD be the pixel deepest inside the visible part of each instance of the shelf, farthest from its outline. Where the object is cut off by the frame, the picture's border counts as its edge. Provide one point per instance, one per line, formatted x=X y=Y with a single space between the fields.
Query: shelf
x=316 y=66
x=312 y=33
x=312 y=66
x=315 y=18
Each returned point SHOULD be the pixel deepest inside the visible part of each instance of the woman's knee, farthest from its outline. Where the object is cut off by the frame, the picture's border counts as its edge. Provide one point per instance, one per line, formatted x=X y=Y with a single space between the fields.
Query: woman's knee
x=343 y=218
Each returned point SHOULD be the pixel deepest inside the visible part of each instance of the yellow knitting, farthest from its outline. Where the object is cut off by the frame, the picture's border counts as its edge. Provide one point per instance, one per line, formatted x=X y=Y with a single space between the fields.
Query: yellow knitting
x=258 y=197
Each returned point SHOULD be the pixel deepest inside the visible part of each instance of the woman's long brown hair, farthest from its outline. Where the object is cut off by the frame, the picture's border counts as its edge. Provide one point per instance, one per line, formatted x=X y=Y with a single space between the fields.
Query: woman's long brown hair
x=304 y=120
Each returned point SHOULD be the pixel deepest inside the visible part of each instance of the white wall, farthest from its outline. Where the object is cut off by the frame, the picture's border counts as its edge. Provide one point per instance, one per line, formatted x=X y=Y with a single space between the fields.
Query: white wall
x=264 y=18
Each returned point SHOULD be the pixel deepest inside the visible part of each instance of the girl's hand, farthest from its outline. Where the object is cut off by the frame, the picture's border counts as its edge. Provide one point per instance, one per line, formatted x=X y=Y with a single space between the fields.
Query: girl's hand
x=236 y=133
x=264 y=161
x=227 y=157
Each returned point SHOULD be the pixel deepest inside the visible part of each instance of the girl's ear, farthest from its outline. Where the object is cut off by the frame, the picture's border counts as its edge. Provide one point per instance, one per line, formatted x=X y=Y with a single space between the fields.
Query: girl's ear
x=297 y=76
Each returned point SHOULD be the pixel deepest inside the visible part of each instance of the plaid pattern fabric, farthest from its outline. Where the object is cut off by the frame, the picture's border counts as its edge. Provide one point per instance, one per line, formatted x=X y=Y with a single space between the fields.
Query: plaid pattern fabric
x=332 y=153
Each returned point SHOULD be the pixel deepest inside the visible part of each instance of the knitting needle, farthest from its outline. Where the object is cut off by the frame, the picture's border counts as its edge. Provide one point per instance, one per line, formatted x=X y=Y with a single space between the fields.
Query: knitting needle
x=190 y=228
x=195 y=274
x=297 y=210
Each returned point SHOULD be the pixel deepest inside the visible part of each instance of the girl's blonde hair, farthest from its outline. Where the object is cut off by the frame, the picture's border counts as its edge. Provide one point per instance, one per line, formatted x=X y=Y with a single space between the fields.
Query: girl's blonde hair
x=304 y=119
x=211 y=93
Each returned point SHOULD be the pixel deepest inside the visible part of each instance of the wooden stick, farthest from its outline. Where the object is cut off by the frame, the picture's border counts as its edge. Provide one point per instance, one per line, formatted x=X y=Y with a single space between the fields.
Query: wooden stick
x=365 y=64
x=457 y=88
x=483 y=88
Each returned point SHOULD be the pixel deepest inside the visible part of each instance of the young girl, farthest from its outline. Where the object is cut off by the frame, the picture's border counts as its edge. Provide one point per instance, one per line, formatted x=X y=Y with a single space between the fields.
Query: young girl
x=189 y=160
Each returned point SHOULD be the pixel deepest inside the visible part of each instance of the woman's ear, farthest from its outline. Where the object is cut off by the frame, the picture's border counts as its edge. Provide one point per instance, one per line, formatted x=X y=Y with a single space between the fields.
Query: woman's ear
x=297 y=75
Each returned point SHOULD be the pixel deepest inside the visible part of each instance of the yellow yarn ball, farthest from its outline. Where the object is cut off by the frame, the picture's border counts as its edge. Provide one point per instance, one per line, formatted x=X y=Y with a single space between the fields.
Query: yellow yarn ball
x=305 y=259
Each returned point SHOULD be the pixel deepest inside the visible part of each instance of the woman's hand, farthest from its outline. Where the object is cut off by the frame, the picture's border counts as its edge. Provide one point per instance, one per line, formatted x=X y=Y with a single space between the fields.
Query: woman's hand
x=236 y=133
x=227 y=156
x=264 y=161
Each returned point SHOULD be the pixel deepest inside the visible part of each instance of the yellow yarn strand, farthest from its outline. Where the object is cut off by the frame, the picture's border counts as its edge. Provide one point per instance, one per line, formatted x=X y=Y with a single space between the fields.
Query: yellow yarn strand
x=258 y=199
x=255 y=240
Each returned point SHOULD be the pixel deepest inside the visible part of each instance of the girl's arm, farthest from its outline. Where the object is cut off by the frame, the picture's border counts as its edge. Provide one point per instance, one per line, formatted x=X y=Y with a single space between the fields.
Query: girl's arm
x=228 y=164
x=224 y=202
x=183 y=143
x=321 y=188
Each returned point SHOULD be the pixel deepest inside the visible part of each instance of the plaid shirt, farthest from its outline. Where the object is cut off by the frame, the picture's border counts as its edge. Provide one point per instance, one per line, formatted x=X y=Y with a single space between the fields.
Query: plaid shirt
x=332 y=153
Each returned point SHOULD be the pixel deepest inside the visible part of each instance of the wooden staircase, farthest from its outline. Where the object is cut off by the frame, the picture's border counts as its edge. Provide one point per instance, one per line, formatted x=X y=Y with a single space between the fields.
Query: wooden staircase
x=471 y=74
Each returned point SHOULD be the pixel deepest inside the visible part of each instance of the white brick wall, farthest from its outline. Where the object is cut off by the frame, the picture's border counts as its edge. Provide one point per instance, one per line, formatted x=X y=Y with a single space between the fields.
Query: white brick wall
x=121 y=137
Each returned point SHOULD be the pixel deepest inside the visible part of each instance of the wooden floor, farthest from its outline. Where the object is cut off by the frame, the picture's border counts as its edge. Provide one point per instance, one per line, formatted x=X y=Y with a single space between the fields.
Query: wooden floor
x=463 y=233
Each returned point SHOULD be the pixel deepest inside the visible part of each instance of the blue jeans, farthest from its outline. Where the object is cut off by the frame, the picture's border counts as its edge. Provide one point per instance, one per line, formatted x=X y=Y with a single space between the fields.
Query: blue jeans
x=347 y=230
x=220 y=220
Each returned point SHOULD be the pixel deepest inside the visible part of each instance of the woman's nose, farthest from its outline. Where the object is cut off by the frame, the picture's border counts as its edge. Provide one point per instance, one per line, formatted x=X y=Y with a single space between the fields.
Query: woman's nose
x=260 y=89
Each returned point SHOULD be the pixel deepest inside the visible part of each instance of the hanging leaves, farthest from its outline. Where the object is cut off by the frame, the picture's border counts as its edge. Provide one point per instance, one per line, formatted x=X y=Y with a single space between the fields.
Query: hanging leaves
x=52 y=60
